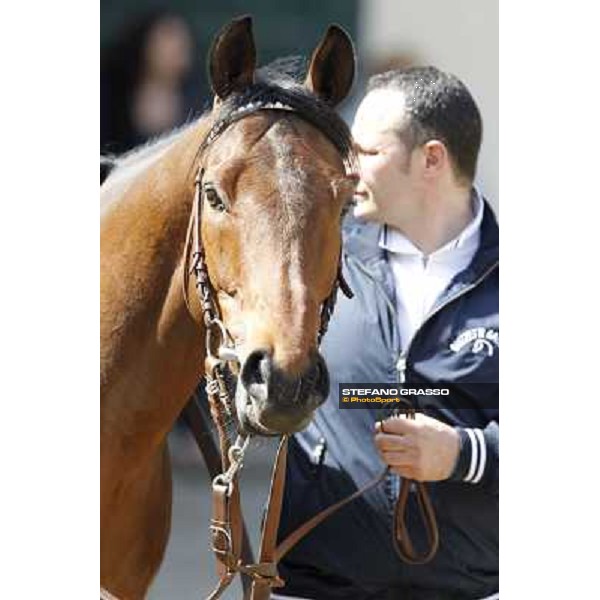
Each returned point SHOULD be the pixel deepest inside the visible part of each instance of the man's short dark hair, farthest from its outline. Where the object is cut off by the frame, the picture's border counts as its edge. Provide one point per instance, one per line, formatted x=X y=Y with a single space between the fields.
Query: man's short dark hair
x=439 y=106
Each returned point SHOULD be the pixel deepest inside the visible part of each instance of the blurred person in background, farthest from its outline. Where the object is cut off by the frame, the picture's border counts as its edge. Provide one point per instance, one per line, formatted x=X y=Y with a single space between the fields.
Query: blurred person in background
x=421 y=255
x=143 y=81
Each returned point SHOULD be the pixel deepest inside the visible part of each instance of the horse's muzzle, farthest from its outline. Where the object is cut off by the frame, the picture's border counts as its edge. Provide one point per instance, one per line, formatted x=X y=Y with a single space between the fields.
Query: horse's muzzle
x=268 y=401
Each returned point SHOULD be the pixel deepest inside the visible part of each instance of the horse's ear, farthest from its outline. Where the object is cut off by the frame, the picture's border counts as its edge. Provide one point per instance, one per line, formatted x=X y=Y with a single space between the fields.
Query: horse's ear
x=232 y=58
x=331 y=69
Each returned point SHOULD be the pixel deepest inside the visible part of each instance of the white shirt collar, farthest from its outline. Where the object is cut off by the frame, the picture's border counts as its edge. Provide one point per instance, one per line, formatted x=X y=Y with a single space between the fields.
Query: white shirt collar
x=393 y=240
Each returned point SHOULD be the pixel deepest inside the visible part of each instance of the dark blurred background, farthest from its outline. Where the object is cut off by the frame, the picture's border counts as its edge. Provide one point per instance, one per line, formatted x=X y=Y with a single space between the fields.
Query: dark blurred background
x=153 y=78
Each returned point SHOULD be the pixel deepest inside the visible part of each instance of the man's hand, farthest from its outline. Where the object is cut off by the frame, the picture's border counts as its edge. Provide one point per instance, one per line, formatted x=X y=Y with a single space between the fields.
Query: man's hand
x=423 y=449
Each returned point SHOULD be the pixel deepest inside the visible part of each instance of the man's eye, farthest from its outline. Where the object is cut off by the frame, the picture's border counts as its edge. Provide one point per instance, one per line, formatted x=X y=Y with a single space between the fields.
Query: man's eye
x=369 y=152
x=365 y=150
x=213 y=199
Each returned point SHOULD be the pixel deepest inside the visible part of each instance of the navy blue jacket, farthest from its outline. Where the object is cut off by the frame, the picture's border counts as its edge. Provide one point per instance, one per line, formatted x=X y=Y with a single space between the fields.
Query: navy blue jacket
x=350 y=555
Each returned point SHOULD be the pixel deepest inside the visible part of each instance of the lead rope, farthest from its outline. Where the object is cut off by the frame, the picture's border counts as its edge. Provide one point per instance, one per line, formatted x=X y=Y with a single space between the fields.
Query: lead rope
x=401 y=539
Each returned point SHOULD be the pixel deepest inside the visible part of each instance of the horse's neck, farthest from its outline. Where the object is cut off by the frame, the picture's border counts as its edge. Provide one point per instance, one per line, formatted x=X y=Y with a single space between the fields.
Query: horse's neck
x=151 y=349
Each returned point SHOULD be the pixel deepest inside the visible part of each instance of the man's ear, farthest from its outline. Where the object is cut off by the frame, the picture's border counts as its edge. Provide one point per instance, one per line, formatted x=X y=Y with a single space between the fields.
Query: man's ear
x=331 y=70
x=436 y=157
x=232 y=58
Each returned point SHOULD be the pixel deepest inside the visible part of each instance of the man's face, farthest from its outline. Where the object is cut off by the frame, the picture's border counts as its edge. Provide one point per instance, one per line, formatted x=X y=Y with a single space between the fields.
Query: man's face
x=389 y=174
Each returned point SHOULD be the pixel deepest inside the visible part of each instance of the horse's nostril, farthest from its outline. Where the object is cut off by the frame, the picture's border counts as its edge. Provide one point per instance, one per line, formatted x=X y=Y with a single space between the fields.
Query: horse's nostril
x=256 y=374
x=257 y=368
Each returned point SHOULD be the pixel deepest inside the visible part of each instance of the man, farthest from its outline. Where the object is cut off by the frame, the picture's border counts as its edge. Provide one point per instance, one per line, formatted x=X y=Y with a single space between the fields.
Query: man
x=421 y=255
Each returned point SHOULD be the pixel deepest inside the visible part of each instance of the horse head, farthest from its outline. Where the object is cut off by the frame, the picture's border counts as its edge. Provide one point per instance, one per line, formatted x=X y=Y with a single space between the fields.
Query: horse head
x=274 y=178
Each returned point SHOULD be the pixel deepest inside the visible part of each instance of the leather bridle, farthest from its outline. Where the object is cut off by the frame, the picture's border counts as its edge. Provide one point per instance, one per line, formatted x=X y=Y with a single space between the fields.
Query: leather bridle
x=227 y=522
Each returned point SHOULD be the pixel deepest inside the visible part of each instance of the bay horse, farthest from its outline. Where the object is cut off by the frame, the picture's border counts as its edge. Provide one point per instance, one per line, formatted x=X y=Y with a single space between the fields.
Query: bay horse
x=272 y=161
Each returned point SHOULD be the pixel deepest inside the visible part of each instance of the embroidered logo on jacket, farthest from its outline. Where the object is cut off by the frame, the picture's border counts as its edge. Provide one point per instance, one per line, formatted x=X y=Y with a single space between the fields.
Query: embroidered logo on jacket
x=482 y=339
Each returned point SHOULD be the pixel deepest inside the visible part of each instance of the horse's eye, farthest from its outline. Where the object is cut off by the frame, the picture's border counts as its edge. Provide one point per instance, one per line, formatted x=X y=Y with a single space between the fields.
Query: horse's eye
x=213 y=199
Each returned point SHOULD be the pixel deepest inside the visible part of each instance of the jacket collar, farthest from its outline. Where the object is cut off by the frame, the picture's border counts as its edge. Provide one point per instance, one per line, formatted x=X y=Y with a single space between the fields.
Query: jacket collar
x=488 y=252
x=361 y=241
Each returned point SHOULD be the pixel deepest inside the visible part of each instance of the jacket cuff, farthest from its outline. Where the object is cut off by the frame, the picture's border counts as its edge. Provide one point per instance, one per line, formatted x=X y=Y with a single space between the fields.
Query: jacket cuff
x=472 y=456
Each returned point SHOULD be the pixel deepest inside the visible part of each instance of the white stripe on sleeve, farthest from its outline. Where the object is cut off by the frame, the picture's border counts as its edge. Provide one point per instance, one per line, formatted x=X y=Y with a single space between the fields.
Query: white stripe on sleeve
x=474 y=454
